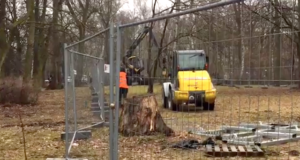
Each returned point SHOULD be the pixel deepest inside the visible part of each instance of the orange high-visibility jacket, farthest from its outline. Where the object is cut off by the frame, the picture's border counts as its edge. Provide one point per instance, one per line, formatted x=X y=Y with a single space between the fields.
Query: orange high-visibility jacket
x=123 y=80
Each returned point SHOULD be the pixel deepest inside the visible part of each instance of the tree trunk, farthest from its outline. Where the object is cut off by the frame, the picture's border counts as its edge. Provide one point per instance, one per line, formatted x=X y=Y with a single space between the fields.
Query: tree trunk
x=191 y=19
x=140 y=116
x=3 y=44
x=298 y=54
x=149 y=69
x=30 y=41
x=80 y=59
x=241 y=50
x=41 y=55
x=56 y=51
x=13 y=62
x=298 y=41
x=160 y=50
x=177 y=30
x=19 y=52
x=277 y=46
x=106 y=46
x=36 y=38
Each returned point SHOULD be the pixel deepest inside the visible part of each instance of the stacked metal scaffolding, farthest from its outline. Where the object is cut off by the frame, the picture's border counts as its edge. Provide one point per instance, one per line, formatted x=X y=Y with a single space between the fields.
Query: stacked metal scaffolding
x=254 y=134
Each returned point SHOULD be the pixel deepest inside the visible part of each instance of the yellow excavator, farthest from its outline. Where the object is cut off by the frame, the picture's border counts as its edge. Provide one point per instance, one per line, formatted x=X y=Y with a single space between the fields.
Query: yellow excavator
x=190 y=83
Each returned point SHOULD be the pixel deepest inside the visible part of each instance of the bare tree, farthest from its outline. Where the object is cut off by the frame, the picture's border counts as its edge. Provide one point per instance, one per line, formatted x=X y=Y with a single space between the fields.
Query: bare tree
x=6 y=39
x=81 y=18
x=160 y=51
x=107 y=10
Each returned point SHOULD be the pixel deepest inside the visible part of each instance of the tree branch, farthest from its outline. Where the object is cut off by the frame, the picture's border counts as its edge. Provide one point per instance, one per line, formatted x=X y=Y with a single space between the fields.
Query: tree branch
x=286 y=20
x=73 y=13
x=81 y=4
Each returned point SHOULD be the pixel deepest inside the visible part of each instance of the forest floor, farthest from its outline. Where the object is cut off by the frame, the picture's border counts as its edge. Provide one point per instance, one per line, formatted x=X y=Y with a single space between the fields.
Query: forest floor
x=44 y=123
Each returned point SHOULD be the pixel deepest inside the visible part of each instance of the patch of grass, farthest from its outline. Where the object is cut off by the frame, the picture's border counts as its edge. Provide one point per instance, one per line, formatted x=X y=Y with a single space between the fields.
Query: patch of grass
x=45 y=122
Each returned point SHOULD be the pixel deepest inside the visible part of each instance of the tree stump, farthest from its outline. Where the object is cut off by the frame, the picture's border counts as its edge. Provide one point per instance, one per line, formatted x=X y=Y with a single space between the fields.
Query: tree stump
x=140 y=116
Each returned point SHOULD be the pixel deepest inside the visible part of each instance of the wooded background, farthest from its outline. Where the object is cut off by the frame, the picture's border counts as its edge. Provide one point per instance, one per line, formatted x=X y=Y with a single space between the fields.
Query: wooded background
x=257 y=40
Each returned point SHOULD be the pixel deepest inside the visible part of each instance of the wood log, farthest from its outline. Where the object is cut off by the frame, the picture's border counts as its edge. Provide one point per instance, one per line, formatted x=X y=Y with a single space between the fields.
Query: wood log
x=140 y=116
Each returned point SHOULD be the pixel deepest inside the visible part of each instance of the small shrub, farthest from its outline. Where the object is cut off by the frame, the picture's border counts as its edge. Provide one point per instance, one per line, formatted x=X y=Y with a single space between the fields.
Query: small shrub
x=15 y=91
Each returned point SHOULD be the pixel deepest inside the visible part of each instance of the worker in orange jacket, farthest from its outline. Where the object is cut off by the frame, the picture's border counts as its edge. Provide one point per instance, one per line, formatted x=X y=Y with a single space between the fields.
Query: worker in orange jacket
x=123 y=86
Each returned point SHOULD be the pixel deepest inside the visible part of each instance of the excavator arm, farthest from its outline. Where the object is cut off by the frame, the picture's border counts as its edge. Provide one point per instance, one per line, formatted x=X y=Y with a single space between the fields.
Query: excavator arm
x=133 y=62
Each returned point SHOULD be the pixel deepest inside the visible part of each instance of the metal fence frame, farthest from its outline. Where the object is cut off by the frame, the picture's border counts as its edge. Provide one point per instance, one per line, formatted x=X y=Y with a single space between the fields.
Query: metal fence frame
x=119 y=27
x=98 y=90
x=114 y=103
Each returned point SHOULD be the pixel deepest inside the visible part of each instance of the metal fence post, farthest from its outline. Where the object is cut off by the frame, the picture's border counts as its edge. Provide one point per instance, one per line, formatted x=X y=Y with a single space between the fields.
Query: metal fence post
x=111 y=90
x=66 y=101
x=101 y=88
x=118 y=57
x=98 y=84
x=74 y=93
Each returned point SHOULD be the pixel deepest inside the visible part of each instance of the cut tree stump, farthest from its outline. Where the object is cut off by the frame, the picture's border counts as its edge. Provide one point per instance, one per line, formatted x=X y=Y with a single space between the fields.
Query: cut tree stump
x=140 y=116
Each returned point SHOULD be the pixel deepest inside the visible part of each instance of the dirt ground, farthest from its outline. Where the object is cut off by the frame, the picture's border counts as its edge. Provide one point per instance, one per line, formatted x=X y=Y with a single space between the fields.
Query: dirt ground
x=44 y=123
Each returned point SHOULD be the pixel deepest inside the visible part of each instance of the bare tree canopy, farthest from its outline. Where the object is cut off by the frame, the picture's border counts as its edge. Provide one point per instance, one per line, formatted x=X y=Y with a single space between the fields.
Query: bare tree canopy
x=32 y=34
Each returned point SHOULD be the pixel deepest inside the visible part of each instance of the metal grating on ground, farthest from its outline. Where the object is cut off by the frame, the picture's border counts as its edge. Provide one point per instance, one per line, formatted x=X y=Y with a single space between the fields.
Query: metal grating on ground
x=233 y=150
